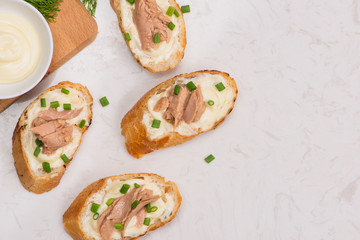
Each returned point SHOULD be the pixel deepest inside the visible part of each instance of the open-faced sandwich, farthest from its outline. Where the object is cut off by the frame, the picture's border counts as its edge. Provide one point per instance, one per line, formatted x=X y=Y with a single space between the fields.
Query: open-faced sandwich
x=154 y=30
x=177 y=110
x=122 y=207
x=48 y=133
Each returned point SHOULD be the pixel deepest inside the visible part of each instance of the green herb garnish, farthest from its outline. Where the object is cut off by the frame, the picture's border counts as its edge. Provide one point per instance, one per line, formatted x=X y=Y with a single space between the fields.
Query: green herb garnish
x=220 y=86
x=134 y=204
x=209 y=158
x=185 y=9
x=48 y=8
x=157 y=38
x=156 y=123
x=82 y=123
x=127 y=36
x=91 y=6
x=96 y=216
x=171 y=25
x=147 y=221
x=46 y=167
x=124 y=189
x=119 y=226
x=64 y=158
x=110 y=201
x=37 y=151
x=94 y=207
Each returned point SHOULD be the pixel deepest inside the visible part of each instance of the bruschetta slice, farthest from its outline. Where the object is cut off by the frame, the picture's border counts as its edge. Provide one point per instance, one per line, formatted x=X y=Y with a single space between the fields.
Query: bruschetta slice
x=177 y=110
x=48 y=133
x=122 y=207
x=154 y=30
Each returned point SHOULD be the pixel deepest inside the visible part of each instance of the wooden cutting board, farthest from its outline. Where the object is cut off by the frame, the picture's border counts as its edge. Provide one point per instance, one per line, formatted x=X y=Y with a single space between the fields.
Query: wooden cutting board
x=73 y=30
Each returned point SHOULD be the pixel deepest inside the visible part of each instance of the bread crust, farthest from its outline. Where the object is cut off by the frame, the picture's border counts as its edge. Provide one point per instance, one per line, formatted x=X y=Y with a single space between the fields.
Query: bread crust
x=174 y=59
x=136 y=140
x=72 y=216
x=28 y=179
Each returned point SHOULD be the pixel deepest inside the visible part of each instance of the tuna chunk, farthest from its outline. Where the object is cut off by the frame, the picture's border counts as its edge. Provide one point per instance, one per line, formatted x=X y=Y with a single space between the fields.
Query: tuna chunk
x=64 y=115
x=57 y=139
x=149 y=20
x=176 y=108
x=144 y=197
x=116 y=212
x=121 y=211
x=184 y=106
x=51 y=128
x=37 y=122
x=140 y=217
x=162 y=104
x=47 y=127
x=195 y=107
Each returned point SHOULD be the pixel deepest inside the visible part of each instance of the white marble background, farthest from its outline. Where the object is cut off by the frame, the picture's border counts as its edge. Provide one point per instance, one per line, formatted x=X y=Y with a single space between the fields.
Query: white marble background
x=287 y=158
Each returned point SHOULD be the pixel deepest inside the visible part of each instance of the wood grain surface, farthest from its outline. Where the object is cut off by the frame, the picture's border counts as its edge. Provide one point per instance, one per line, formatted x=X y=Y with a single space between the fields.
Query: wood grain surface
x=73 y=30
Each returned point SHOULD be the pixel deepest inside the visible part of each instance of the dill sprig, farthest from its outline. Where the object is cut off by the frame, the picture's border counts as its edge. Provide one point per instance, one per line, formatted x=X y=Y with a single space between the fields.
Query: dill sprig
x=48 y=8
x=91 y=6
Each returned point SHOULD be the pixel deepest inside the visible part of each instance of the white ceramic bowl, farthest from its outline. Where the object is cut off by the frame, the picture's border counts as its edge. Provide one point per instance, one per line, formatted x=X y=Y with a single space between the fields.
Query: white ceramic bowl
x=32 y=15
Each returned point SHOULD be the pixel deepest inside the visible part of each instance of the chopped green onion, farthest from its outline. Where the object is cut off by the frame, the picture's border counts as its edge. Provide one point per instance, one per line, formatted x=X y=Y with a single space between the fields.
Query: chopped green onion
x=55 y=104
x=46 y=167
x=38 y=142
x=136 y=185
x=211 y=102
x=104 y=102
x=110 y=201
x=95 y=216
x=185 y=9
x=64 y=158
x=177 y=89
x=171 y=25
x=42 y=102
x=170 y=11
x=64 y=90
x=124 y=189
x=220 y=86
x=82 y=123
x=191 y=86
x=148 y=208
x=37 y=151
x=147 y=221
x=157 y=38
x=67 y=106
x=156 y=123
x=131 y=1
x=127 y=36
x=134 y=204
x=209 y=158
x=95 y=207
x=176 y=13
x=119 y=226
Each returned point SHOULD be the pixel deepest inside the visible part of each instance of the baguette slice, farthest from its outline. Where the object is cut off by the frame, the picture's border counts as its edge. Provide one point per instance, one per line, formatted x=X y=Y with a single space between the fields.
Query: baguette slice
x=166 y=55
x=78 y=218
x=141 y=138
x=29 y=168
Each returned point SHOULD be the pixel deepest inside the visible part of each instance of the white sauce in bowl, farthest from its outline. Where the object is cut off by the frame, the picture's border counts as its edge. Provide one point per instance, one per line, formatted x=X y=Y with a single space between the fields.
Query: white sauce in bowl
x=20 y=48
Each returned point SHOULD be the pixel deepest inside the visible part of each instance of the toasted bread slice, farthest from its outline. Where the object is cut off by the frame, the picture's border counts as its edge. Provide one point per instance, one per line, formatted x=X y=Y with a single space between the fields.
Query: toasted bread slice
x=167 y=54
x=141 y=138
x=79 y=220
x=29 y=167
